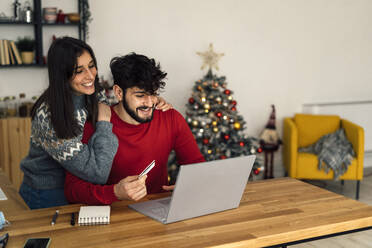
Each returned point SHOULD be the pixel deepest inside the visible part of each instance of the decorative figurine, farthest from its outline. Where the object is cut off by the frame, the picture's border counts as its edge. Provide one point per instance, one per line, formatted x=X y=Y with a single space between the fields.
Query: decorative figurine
x=270 y=141
x=16 y=10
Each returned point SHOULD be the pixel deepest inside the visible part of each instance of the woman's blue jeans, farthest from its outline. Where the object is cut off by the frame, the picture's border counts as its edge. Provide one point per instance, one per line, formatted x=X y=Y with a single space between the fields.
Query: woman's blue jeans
x=42 y=198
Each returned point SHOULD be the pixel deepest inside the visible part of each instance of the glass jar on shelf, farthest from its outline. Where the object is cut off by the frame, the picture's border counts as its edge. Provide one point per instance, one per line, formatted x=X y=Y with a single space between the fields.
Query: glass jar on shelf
x=2 y=107
x=11 y=106
x=22 y=109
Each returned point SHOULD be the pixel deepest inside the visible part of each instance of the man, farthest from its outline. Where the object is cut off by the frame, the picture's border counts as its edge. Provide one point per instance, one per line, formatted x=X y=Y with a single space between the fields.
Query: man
x=144 y=135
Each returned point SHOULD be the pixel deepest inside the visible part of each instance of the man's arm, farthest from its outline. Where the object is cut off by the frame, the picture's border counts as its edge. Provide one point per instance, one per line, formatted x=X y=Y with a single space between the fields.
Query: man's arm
x=185 y=146
x=80 y=191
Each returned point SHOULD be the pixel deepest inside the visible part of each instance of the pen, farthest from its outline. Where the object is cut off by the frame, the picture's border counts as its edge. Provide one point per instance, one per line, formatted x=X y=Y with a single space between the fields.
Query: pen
x=72 y=222
x=54 y=219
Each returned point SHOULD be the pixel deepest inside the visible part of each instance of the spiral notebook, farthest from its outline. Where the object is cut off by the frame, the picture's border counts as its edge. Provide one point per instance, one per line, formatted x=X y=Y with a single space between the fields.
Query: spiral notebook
x=94 y=215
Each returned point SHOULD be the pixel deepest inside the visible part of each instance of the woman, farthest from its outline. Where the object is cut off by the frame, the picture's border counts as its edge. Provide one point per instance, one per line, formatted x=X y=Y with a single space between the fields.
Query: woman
x=58 y=119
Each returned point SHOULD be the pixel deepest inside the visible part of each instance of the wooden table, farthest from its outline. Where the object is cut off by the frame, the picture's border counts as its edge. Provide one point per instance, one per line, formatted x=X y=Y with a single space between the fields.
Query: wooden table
x=272 y=212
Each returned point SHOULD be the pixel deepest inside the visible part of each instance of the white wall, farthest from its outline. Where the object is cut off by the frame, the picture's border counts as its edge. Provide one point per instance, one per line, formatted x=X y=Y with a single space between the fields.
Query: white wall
x=281 y=52
x=285 y=52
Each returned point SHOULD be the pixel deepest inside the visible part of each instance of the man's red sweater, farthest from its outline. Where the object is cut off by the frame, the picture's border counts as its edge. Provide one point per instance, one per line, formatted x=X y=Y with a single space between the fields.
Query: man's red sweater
x=138 y=146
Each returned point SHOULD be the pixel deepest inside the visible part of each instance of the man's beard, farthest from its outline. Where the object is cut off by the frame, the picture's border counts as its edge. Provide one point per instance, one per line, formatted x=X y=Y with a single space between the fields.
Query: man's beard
x=134 y=115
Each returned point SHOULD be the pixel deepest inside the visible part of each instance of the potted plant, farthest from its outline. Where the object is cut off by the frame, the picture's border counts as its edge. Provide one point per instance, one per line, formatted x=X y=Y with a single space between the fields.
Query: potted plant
x=26 y=46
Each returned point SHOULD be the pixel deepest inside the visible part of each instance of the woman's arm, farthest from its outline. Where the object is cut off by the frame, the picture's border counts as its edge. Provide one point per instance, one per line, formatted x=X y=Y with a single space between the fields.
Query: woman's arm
x=92 y=161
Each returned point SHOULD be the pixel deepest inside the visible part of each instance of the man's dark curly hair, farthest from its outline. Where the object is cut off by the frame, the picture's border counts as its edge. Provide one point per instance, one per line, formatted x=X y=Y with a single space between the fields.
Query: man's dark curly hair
x=135 y=70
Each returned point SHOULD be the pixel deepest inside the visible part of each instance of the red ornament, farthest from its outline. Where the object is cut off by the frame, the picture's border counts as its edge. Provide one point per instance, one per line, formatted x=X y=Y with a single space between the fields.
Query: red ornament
x=191 y=100
x=234 y=103
x=227 y=137
x=223 y=157
x=259 y=150
x=233 y=109
x=227 y=92
x=205 y=141
x=241 y=143
x=219 y=114
x=256 y=171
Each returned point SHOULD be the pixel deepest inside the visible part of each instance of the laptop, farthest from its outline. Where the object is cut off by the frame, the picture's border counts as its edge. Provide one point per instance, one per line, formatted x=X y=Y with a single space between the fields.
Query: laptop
x=201 y=189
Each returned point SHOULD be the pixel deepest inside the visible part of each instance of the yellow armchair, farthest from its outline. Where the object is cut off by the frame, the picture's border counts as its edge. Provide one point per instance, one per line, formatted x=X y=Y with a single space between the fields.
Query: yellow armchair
x=304 y=130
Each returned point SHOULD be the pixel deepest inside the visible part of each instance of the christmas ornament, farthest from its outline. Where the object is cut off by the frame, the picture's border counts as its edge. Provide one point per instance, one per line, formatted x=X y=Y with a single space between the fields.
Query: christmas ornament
x=209 y=151
x=233 y=109
x=214 y=123
x=222 y=157
x=259 y=150
x=215 y=129
x=219 y=114
x=234 y=103
x=195 y=123
x=206 y=111
x=225 y=104
x=200 y=88
x=218 y=100
x=229 y=98
x=191 y=100
x=241 y=143
x=237 y=126
x=226 y=137
x=203 y=123
x=227 y=92
x=196 y=106
x=207 y=106
x=203 y=99
x=210 y=58
x=215 y=85
x=256 y=171
x=205 y=141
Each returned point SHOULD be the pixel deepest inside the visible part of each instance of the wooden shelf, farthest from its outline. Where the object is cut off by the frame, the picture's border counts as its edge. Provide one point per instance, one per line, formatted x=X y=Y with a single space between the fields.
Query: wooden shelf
x=61 y=24
x=16 y=23
x=38 y=25
x=23 y=65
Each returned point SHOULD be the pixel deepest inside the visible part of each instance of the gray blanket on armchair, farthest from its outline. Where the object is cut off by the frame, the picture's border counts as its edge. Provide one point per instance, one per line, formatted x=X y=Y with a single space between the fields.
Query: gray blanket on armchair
x=334 y=152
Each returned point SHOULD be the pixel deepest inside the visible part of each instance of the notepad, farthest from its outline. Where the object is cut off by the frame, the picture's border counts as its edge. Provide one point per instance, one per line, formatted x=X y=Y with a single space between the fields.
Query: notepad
x=94 y=215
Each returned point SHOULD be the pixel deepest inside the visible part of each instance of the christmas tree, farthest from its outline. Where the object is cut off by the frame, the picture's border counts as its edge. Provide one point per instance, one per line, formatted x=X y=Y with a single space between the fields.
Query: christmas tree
x=214 y=120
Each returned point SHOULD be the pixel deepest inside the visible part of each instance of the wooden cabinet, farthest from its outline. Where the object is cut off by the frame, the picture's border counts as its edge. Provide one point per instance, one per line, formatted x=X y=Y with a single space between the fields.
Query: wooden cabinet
x=14 y=145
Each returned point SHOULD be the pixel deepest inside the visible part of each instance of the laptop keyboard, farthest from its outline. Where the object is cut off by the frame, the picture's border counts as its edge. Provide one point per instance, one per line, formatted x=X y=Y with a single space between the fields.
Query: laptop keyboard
x=165 y=201
x=161 y=208
x=160 y=211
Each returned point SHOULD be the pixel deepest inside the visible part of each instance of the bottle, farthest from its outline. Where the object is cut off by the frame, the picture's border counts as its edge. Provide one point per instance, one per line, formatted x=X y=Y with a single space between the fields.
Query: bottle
x=22 y=109
x=11 y=106
x=27 y=12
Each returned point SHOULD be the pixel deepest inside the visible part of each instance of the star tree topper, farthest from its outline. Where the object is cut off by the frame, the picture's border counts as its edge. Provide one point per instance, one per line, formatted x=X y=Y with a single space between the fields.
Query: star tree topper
x=210 y=58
